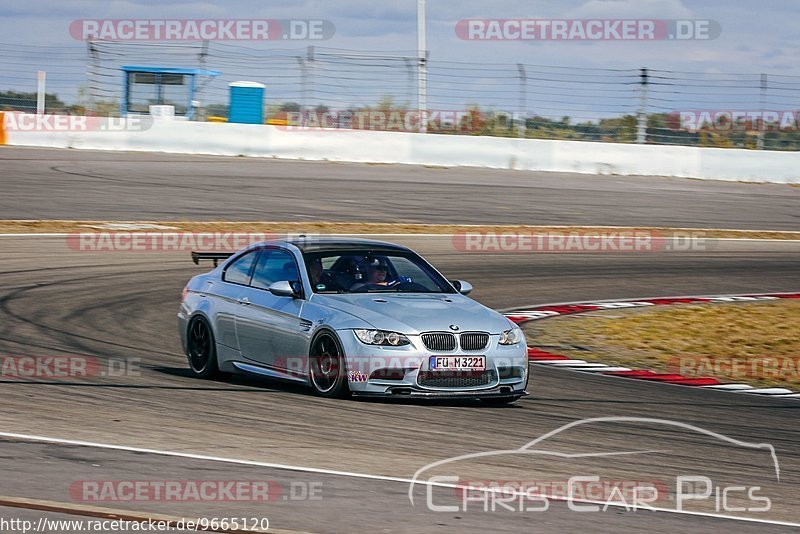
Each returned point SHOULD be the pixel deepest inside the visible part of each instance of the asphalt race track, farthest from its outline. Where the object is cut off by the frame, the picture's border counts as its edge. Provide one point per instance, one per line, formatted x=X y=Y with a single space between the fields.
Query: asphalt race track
x=54 y=300
x=117 y=185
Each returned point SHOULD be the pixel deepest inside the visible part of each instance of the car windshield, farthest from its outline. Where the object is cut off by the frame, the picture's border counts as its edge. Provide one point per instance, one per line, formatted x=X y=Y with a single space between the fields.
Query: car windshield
x=360 y=271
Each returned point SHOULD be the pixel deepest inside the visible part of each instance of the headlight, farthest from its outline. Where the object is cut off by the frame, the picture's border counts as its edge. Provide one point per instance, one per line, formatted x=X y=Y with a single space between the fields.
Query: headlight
x=511 y=337
x=381 y=337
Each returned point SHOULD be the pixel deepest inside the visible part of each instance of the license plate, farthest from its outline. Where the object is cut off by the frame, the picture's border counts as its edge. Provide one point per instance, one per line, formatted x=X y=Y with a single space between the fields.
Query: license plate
x=458 y=363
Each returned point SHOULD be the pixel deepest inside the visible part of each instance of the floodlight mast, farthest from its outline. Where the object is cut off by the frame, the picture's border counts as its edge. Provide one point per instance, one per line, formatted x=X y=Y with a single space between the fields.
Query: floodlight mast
x=422 y=75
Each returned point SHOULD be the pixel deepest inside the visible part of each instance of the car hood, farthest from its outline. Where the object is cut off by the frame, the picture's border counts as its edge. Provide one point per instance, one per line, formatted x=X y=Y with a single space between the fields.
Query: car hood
x=416 y=313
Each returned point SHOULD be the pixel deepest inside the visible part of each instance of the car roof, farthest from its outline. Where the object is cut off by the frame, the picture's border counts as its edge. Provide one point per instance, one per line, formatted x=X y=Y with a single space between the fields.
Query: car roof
x=333 y=244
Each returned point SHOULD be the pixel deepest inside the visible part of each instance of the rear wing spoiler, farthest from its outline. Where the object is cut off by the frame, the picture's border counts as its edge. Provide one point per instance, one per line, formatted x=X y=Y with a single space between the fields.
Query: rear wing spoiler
x=197 y=257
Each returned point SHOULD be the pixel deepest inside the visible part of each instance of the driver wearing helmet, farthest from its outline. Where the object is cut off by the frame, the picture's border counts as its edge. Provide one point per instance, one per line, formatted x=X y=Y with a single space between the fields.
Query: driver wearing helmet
x=377 y=272
x=377 y=275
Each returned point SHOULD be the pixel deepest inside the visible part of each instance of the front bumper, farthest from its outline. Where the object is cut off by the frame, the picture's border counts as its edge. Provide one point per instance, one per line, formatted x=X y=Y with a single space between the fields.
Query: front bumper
x=506 y=373
x=410 y=392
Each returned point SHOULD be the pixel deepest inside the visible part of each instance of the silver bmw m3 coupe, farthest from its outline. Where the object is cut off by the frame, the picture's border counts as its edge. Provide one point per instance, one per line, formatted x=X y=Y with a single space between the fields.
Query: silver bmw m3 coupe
x=348 y=317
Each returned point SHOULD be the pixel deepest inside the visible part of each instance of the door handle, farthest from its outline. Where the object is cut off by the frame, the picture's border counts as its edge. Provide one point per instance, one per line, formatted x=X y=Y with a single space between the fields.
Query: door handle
x=244 y=300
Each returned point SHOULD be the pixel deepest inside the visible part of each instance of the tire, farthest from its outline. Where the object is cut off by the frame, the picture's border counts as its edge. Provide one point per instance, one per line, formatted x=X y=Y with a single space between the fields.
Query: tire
x=499 y=401
x=202 y=349
x=326 y=369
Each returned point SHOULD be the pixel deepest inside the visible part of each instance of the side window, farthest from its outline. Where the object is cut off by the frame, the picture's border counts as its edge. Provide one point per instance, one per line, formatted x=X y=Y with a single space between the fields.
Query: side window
x=273 y=266
x=239 y=271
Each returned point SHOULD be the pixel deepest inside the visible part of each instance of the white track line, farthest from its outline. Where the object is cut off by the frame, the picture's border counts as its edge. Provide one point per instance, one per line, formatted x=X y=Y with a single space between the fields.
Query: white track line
x=507 y=226
x=34 y=235
x=253 y=463
x=768 y=391
x=730 y=387
x=361 y=235
x=605 y=369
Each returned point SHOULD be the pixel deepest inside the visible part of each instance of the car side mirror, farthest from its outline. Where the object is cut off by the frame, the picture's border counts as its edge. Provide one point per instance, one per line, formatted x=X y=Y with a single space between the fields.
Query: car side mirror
x=283 y=288
x=462 y=286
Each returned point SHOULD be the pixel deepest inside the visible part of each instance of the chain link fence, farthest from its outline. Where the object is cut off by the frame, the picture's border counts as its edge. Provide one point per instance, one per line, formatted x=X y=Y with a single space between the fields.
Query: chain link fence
x=737 y=110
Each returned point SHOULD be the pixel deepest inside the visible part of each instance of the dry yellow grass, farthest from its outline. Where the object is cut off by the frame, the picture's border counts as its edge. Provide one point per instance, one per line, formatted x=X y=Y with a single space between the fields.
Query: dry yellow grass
x=756 y=343
x=352 y=227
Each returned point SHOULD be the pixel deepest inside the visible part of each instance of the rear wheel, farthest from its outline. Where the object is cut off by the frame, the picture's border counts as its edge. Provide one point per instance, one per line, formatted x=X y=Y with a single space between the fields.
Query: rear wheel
x=202 y=351
x=326 y=369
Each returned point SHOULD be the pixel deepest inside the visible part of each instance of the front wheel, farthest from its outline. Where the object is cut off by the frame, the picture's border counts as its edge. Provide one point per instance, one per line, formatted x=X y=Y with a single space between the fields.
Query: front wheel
x=326 y=368
x=202 y=351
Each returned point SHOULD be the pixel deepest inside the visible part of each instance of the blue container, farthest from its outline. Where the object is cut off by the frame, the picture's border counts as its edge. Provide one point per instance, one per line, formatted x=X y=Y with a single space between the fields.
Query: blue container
x=246 y=103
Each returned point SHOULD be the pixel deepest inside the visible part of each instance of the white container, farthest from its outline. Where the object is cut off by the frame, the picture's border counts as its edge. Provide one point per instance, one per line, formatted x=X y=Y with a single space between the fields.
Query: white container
x=162 y=112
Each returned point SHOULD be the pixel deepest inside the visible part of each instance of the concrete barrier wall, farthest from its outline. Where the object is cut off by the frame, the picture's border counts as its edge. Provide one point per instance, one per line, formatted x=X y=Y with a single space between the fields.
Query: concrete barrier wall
x=439 y=150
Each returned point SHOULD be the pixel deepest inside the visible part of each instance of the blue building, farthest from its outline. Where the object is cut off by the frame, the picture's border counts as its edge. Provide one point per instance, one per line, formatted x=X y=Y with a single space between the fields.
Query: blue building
x=160 y=86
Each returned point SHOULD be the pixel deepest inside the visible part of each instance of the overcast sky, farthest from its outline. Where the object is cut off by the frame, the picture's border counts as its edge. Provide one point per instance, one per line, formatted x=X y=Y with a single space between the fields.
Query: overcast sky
x=756 y=37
